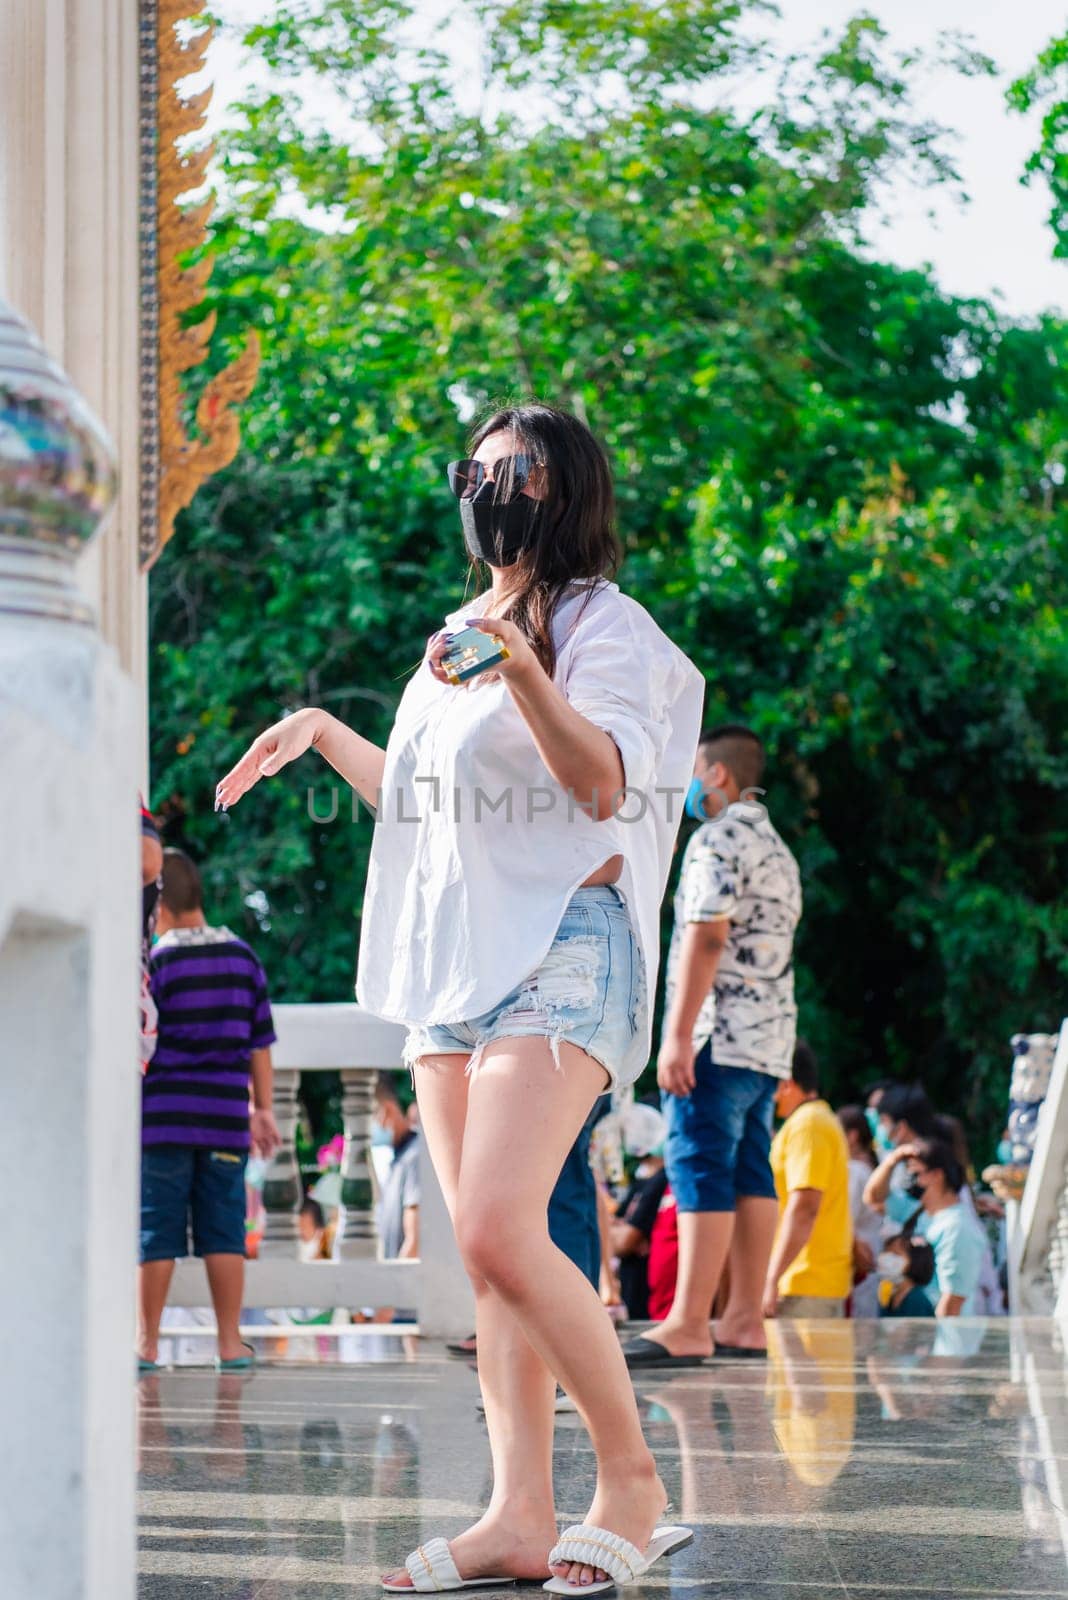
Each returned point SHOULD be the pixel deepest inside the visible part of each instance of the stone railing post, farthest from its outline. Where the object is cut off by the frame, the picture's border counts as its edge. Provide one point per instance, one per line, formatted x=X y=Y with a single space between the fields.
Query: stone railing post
x=358 y=1235
x=281 y=1186
x=69 y=901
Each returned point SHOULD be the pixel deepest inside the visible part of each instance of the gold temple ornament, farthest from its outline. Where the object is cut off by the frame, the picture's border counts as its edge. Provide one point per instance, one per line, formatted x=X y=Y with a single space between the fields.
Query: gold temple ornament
x=185 y=462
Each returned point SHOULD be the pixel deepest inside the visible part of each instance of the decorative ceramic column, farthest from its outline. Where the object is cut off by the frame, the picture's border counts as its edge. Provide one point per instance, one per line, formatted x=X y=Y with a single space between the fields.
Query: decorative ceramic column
x=281 y=1186
x=69 y=173
x=69 y=977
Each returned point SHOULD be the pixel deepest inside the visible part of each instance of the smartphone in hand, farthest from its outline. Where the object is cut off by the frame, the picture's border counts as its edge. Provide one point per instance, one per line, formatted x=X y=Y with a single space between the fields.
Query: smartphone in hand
x=470 y=652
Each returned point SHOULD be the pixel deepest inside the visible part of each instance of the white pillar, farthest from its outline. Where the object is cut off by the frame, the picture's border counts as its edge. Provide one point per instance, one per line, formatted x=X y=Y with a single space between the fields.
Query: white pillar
x=69 y=972
x=69 y=164
x=72 y=733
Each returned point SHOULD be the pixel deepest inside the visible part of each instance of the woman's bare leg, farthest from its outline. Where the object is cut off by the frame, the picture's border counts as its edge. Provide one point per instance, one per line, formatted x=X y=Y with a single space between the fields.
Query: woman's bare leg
x=522 y=1118
x=518 y=1529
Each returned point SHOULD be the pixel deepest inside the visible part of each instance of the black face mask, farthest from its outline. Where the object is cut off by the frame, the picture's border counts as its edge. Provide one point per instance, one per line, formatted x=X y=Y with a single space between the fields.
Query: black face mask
x=498 y=533
x=915 y=1190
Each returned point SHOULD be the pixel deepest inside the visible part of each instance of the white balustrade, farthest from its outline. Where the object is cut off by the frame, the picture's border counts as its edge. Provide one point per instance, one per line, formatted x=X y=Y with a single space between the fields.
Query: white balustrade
x=1038 y=1224
x=343 y=1038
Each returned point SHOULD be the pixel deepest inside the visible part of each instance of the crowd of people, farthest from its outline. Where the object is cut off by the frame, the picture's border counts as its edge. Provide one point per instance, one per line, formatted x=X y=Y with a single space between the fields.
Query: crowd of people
x=685 y=1210
x=862 y=1213
x=877 y=1215
x=711 y=1227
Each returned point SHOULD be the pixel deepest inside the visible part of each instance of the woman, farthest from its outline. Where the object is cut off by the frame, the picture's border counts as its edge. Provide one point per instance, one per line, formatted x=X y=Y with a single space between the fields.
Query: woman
x=511 y=919
x=867 y=1224
x=907 y=1266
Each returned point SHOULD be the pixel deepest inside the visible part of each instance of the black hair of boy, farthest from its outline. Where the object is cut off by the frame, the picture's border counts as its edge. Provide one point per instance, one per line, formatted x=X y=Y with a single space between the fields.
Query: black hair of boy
x=908 y=1103
x=182 y=890
x=805 y=1070
x=738 y=749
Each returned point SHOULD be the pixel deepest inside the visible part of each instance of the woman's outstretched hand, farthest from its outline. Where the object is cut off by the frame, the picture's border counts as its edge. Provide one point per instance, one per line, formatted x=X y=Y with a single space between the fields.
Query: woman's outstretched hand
x=275 y=748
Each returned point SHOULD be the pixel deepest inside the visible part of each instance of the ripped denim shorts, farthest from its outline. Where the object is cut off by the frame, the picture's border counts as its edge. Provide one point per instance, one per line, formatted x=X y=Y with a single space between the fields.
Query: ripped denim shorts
x=589 y=991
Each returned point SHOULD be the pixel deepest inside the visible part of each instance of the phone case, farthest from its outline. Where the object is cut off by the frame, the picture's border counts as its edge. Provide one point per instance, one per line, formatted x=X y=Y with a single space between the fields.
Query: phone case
x=470 y=652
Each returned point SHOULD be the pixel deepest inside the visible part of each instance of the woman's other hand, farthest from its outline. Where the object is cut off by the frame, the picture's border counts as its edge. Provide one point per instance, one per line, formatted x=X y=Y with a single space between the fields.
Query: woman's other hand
x=275 y=748
x=520 y=662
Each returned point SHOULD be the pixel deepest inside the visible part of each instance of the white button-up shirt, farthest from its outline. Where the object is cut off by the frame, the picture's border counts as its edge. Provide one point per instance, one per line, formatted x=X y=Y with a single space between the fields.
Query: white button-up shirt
x=477 y=849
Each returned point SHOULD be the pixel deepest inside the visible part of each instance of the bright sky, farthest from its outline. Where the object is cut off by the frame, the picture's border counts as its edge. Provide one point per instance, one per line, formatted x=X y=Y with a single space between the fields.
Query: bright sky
x=998 y=244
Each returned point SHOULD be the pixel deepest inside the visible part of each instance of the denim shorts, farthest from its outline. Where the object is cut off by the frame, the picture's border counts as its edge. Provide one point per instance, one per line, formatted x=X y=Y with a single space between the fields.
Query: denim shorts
x=183 y=1186
x=719 y=1137
x=588 y=991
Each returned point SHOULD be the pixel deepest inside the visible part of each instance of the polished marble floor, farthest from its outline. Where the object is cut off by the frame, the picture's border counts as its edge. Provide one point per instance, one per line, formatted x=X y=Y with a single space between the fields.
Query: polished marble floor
x=901 y=1460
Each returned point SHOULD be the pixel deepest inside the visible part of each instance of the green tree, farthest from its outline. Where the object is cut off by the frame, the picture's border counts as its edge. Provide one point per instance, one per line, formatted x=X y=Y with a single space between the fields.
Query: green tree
x=1045 y=87
x=840 y=488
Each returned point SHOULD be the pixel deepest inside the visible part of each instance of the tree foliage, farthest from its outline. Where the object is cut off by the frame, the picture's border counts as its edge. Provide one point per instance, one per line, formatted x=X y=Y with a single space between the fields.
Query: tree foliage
x=840 y=488
x=1045 y=88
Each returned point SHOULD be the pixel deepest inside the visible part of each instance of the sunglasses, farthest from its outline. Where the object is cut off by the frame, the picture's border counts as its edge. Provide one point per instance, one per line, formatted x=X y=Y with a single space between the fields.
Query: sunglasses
x=511 y=472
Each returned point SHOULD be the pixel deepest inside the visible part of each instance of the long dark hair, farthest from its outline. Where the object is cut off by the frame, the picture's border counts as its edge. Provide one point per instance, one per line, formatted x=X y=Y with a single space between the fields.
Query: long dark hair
x=575 y=536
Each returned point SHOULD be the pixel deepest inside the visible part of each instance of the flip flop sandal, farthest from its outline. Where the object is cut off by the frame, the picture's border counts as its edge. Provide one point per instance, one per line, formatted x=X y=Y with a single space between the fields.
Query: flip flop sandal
x=463 y=1347
x=149 y=1366
x=739 y=1352
x=642 y=1352
x=237 y=1363
x=432 y=1569
x=623 y=1561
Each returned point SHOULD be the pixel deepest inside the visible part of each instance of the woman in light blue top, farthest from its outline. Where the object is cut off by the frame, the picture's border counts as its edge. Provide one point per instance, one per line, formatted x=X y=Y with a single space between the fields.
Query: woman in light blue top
x=932 y=1201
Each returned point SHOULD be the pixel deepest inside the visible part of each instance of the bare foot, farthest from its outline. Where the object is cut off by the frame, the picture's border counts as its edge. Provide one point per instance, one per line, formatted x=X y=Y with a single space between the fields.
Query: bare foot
x=743 y=1333
x=499 y=1546
x=232 y=1349
x=682 y=1339
x=631 y=1506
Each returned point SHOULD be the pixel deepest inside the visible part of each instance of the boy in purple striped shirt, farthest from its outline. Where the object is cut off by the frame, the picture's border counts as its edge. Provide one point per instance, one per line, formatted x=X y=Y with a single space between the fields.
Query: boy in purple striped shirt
x=213 y=1044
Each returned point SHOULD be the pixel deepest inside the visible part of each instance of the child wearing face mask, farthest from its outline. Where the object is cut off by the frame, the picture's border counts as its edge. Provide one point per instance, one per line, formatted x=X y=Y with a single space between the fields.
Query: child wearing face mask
x=905 y=1267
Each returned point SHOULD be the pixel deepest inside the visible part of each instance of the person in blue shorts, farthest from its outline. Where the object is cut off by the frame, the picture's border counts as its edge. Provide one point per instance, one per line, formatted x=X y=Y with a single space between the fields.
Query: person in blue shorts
x=212 y=1053
x=730 y=1026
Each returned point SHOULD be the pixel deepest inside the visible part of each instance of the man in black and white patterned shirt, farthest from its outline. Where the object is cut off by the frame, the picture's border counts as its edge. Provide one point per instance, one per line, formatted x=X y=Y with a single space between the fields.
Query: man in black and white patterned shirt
x=730 y=1025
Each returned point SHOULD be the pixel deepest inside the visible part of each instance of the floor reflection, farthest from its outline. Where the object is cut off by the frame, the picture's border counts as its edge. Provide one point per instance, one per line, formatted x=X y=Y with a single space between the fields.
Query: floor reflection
x=876 y=1459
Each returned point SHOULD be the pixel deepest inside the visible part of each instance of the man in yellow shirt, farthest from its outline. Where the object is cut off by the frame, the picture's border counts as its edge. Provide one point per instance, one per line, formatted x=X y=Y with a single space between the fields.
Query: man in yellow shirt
x=811 y=1269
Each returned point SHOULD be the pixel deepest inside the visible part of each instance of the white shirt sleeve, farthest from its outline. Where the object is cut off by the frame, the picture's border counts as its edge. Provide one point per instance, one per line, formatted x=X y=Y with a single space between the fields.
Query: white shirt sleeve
x=622 y=681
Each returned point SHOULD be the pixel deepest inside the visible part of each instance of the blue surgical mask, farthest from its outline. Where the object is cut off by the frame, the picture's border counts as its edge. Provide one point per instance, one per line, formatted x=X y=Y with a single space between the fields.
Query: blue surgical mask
x=1005 y=1152
x=695 y=801
x=380 y=1135
x=880 y=1137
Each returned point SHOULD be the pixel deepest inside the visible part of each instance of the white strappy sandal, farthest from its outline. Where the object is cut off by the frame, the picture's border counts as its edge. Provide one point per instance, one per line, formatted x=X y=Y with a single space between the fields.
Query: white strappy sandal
x=623 y=1561
x=432 y=1570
